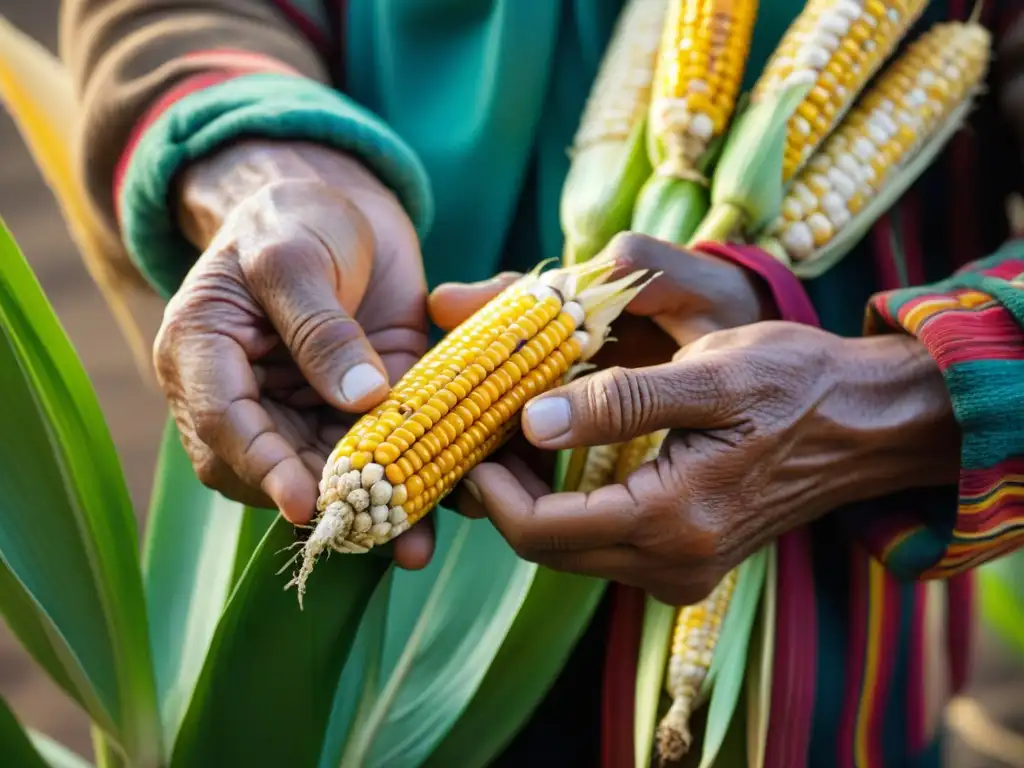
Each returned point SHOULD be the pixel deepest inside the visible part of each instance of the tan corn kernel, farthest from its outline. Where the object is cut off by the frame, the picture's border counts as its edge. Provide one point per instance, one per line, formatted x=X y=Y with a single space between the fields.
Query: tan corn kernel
x=459 y=403
x=912 y=98
x=694 y=638
x=835 y=46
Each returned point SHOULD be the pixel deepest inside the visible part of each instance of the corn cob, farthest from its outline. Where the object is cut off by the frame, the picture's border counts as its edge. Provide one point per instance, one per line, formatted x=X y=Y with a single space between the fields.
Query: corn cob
x=697 y=81
x=693 y=643
x=459 y=403
x=609 y=159
x=889 y=124
x=637 y=451
x=837 y=45
x=824 y=60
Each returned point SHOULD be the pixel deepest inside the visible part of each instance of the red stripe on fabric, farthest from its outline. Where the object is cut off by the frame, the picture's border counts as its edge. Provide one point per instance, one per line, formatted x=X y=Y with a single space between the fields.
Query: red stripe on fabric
x=977 y=482
x=886 y=660
x=791 y=299
x=886 y=274
x=960 y=610
x=305 y=25
x=917 y=738
x=1007 y=269
x=962 y=336
x=855 y=658
x=620 y=666
x=795 y=664
x=161 y=105
x=910 y=216
x=222 y=64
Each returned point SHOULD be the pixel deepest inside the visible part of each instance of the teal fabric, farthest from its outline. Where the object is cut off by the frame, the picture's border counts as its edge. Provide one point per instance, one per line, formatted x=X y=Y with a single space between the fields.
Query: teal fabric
x=267 y=105
x=485 y=95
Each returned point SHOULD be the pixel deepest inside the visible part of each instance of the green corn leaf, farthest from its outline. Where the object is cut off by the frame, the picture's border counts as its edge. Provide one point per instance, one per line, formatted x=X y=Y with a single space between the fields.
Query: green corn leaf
x=759 y=668
x=360 y=682
x=555 y=614
x=266 y=690
x=196 y=542
x=599 y=193
x=897 y=183
x=728 y=669
x=445 y=625
x=557 y=611
x=56 y=755
x=748 y=176
x=71 y=584
x=655 y=646
x=15 y=744
x=1001 y=593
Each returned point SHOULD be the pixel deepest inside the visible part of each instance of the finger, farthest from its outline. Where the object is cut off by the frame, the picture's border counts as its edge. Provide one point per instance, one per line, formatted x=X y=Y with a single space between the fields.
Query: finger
x=553 y=522
x=468 y=502
x=217 y=475
x=622 y=564
x=618 y=404
x=296 y=284
x=223 y=402
x=452 y=303
x=681 y=271
x=414 y=548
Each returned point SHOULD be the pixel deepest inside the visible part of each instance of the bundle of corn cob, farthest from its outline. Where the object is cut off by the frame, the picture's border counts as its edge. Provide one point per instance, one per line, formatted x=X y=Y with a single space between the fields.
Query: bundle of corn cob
x=694 y=638
x=459 y=403
x=609 y=161
x=825 y=59
x=922 y=97
x=696 y=84
x=916 y=104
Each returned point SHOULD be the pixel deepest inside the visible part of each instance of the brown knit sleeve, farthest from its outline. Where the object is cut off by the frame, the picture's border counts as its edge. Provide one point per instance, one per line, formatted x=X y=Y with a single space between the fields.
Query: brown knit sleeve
x=125 y=55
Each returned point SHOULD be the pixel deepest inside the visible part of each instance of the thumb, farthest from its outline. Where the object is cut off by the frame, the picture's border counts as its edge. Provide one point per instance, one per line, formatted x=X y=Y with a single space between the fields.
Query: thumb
x=618 y=404
x=296 y=289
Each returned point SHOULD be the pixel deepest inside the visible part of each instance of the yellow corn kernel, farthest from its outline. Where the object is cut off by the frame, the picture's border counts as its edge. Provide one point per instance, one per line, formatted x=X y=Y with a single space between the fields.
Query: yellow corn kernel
x=912 y=98
x=459 y=403
x=621 y=93
x=834 y=46
x=636 y=452
x=694 y=638
x=697 y=81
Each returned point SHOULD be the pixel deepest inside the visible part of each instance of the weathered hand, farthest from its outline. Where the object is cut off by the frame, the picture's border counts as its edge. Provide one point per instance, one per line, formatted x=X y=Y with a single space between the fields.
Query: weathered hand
x=309 y=296
x=773 y=425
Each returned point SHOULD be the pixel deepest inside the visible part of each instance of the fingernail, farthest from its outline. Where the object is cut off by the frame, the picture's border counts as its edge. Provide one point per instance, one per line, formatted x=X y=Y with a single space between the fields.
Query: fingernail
x=548 y=417
x=361 y=380
x=472 y=490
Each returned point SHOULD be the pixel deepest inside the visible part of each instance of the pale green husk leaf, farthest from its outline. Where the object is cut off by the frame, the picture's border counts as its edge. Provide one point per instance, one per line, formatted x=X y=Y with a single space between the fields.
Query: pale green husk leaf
x=655 y=646
x=760 y=667
x=599 y=193
x=749 y=172
x=898 y=182
x=724 y=681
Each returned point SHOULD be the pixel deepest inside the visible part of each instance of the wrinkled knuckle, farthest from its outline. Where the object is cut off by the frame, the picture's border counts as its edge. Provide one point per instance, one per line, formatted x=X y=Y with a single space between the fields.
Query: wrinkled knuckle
x=208 y=424
x=208 y=471
x=320 y=334
x=271 y=259
x=621 y=399
x=522 y=543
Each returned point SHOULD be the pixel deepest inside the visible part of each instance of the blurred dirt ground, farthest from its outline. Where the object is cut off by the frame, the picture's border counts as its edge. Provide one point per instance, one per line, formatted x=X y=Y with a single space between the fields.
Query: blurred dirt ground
x=136 y=414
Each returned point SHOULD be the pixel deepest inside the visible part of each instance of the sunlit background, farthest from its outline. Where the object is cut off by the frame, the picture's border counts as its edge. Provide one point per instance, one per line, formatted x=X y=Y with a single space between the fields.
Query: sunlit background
x=135 y=415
